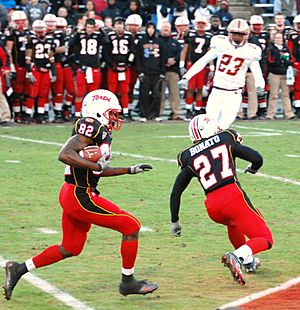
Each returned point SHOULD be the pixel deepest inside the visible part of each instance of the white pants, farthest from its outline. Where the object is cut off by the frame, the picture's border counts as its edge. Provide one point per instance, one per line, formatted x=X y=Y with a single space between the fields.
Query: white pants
x=223 y=106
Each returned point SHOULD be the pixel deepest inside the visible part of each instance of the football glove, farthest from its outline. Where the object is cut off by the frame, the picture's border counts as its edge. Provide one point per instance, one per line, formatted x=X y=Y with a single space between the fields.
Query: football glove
x=260 y=91
x=30 y=77
x=139 y=168
x=176 y=229
x=103 y=163
x=182 y=71
x=249 y=169
x=183 y=83
x=53 y=78
x=162 y=77
x=141 y=77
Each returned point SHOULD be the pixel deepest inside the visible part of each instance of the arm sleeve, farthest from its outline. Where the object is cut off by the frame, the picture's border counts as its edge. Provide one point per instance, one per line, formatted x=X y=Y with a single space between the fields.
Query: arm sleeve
x=200 y=64
x=247 y=153
x=257 y=73
x=182 y=181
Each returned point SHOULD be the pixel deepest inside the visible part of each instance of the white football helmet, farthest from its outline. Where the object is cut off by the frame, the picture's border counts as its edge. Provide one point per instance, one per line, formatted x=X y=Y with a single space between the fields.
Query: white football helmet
x=61 y=23
x=182 y=20
x=39 y=27
x=296 y=22
x=50 y=20
x=19 y=20
x=238 y=25
x=134 y=19
x=104 y=106
x=202 y=127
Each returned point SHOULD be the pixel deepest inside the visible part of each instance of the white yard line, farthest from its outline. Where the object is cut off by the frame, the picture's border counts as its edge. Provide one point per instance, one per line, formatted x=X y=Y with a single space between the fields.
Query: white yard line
x=292 y=156
x=263 y=175
x=261 y=294
x=267 y=129
x=47 y=231
x=43 y=285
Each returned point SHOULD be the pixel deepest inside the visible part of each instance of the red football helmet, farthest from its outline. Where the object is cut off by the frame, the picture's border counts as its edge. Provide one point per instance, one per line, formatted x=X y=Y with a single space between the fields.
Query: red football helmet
x=19 y=20
x=39 y=28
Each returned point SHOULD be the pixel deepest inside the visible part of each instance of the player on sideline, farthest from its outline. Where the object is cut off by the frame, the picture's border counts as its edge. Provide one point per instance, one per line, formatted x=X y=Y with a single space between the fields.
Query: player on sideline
x=234 y=56
x=82 y=203
x=211 y=159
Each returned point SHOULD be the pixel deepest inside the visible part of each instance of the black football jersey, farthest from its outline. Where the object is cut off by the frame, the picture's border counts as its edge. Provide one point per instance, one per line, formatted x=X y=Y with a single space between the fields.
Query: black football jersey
x=179 y=37
x=93 y=129
x=198 y=44
x=60 y=39
x=41 y=49
x=294 y=37
x=87 y=47
x=19 y=39
x=118 y=48
x=212 y=160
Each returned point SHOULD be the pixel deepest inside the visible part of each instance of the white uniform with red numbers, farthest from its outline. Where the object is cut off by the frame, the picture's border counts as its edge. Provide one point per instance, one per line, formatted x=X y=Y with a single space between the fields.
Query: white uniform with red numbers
x=232 y=65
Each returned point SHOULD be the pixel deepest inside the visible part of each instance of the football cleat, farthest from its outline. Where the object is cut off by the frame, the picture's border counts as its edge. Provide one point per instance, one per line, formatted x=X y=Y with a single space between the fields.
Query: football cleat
x=189 y=115
x=13 y=275
x=252 y=267
x=232 y=262
x=137 y=287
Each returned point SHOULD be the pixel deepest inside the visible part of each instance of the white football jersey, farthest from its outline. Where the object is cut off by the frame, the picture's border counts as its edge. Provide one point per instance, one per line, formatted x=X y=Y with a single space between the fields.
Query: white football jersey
x=232 y=62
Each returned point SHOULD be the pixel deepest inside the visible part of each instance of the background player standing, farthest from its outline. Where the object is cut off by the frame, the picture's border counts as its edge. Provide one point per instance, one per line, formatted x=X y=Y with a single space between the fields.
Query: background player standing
x=81 y=202
x=211 y=159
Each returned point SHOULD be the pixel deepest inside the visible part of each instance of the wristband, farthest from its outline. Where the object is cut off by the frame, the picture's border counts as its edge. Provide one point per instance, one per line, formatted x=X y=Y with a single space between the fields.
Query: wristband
x=99 y=166
x=28 y=67
x=181 y=63
x=212 y=68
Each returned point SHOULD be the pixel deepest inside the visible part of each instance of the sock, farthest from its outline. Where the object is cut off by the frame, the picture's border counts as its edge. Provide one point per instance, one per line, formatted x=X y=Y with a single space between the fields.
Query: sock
x=127 y=279
x=248 y=260
x=243 y=252
x=49 y=256
x=23 y=268
x=128 y=253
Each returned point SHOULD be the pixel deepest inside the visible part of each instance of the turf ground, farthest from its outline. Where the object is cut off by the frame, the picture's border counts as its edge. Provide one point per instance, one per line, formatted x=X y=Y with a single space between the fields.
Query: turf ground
x=188 y=269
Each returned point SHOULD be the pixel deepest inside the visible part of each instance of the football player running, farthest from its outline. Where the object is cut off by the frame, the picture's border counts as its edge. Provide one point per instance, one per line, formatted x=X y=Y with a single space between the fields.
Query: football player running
x=82 y=205
x=211 y=159
x=234 y=56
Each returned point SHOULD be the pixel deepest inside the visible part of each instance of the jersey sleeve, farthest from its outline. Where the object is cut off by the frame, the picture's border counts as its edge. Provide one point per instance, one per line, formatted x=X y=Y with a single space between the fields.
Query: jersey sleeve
x=217 y=43
x=235 y=135
x=255 y=51
x=29 y=44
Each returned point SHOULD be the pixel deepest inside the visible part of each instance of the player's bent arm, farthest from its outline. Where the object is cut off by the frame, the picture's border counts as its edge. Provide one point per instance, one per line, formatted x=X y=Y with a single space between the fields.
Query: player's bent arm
x=114 y=171
x=200 y=64
x=69 y=154
x=249 y=154
x=257 y=73
x=182 y=181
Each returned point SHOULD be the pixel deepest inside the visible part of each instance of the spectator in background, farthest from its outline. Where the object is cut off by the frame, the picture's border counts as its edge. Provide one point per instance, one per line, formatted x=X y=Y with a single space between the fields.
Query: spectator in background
x=280 y=24
x=34 y=11
x=72 y=14
x=3 y=17
x=100 y=5
x=108 y=23
x=134 y=8
x=278 y=59
x=172 y=56
x=224 y=14
x=204 y=10
x=22 y=5
x=8 y=4
x=70 y=18
x=150 y=63
x=89 y=6
x=286 y=7
x=47 y=7
x=111 y=10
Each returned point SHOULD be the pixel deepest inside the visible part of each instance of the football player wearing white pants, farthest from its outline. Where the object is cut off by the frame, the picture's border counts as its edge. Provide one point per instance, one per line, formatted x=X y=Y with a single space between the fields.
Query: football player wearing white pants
x=234 y=56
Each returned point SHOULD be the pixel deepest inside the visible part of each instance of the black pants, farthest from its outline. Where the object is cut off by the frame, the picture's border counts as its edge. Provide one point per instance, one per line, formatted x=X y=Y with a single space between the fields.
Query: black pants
x=150 y=96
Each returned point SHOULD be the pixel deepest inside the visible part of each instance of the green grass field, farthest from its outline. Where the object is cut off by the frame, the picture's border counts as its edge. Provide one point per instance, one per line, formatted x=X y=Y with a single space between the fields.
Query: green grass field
x=188 y=268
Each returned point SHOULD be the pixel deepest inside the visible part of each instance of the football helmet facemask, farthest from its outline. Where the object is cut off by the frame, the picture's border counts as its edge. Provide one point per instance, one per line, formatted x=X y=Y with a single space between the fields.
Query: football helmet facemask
x=104 y=106
x=238 y=26
x=39 y=27
x=50 y=20
x=202 y=127
x=19 y=20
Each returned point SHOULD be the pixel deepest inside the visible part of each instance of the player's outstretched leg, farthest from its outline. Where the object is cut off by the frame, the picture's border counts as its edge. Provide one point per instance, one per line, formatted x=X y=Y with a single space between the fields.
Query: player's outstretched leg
x=232 y=262
x=13 y=273
x=129 y=285
x=252 y=266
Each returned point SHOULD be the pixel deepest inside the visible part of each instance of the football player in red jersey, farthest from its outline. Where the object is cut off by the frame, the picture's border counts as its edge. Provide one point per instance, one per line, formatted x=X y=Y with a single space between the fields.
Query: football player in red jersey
x=119 y=53
x=82 y=203
x=294 y=47
x=16 y=46
x=211 y=159
x=88 y=43
x=39 y=63
x=196 y=45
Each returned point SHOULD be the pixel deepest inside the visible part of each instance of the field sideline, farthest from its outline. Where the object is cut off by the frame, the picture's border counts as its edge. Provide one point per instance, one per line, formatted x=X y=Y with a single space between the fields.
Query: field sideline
x=187 y=268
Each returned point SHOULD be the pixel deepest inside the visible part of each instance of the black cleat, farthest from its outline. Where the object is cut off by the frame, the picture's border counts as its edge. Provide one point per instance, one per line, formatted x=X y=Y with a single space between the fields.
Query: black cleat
x=13 y=275
x=137 y=287
x=252 y=267
x=189 y=115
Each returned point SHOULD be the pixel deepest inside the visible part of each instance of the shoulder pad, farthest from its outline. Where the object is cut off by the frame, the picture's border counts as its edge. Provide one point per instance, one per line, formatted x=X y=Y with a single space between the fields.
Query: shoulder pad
x=88 y=126
x=235 y=135
x=255 y=51
x=218 y=41
x=292 y=35
x=127 y=32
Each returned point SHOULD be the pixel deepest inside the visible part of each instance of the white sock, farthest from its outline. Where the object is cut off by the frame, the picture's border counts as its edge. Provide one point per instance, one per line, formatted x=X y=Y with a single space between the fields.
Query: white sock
x=29 y=264
x=243 y=252
x=248 y=260
x=127 y=272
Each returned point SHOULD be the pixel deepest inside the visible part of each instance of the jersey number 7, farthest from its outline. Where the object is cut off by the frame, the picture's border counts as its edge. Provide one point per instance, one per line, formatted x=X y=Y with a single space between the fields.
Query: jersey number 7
x=204 y=166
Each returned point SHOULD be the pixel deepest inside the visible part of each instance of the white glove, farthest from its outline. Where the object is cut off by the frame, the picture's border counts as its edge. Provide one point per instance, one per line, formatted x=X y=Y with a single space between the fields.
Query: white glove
x=183 y=83
x=30 y=77
x=103 y=163
x=139 y=168
x=260 y=91
x=176 y=229
x=53 y=79
x=182 y=71
x=249 y=169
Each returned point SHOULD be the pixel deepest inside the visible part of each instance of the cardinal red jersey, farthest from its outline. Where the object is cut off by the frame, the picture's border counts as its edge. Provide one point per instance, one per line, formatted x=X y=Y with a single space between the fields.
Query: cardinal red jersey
x=41 y=48
x=198 y=44
x=19 y=39
x=91 y=128
x=294 y=44
x=88 y=47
